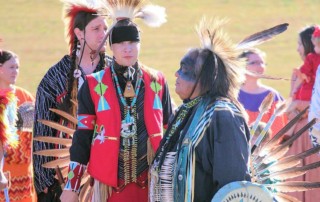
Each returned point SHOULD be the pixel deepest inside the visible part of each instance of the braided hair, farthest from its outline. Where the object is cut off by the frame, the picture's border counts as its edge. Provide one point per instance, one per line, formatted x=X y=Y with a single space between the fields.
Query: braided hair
x=81 y=20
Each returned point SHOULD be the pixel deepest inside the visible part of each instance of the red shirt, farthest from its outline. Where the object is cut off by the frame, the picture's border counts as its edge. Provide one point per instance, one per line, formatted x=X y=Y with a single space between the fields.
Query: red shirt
x=309 y=68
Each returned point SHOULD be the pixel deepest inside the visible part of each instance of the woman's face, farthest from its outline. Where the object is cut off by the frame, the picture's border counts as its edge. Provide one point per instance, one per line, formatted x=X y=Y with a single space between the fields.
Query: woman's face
x=186 y=78
x=255 y=63
x=300 y=49
x=9 y=72
x=95 y=31
x=126 y=53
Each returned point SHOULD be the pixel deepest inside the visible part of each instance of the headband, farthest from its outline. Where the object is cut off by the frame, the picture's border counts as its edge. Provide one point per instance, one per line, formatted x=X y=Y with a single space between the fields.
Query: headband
x=125 y=33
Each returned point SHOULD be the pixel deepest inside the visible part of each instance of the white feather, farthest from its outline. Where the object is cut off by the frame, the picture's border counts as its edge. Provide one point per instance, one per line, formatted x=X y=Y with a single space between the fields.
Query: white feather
x=152 y=15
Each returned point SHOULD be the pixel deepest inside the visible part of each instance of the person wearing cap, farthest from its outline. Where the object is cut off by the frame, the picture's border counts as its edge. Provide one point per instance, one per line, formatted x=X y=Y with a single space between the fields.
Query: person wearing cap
x=206 y=145
x=85 y=31
x=120 y=124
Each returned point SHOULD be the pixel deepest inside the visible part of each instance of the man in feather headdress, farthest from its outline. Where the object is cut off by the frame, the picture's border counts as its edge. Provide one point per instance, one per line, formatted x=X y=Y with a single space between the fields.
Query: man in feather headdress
x=207 y=143
x=120 y=125
x=58 y=88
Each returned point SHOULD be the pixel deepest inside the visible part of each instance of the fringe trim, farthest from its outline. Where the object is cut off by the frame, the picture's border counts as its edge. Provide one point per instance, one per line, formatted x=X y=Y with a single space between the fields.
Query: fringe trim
x=150 y=152
x=101 y=192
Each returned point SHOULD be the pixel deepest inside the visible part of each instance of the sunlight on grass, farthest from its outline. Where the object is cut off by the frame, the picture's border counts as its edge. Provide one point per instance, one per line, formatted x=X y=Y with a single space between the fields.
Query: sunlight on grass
x=34 y=30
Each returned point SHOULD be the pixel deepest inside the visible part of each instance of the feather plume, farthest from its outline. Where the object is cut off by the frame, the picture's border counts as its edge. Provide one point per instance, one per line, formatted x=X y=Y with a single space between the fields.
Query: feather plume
x=57 y=126
x=264 y=76
x=262 y=36
x=266 y=148
x=53 y=152
x=62 y=162
x=266 y=103
x=288 y=162
x=147 y=13
x=278 y=111
x=294 y=186
x=85 y=191
x=281 y=197
x=65 y=115
x=292 y=172
x=152 y=15
x=54 y=140
x=275 y=155
x=264 y=107
x=213 y=37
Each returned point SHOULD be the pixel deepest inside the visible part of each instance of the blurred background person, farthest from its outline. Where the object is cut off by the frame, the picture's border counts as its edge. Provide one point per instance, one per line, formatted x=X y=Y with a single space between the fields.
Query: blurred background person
x=18 y=160
x=301 y=99
x=314 y=111
x=253 y=91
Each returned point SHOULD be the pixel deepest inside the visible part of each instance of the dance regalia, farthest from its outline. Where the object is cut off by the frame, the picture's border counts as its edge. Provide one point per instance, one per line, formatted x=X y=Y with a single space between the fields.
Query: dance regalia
x=201 y=158
x=115 y=160
x=50 y=94
x=18 y=160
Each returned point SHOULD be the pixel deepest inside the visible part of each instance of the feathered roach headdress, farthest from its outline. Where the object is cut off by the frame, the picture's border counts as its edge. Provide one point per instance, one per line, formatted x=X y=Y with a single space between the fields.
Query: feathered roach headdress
x=213 y=37
x=152 y=15
x=70 y=11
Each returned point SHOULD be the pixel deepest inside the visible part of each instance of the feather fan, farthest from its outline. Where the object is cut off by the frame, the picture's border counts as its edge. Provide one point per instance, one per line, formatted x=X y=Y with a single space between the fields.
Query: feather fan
x=266 y=148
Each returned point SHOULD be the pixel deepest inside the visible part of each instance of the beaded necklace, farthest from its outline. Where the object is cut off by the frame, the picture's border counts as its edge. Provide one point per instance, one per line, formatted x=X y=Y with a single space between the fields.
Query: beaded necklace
x=129 y=129
x=177 y=122
x=127 y=108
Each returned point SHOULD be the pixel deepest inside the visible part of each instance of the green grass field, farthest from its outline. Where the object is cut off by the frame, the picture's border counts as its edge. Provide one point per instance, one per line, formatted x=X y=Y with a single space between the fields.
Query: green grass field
x=34 y=30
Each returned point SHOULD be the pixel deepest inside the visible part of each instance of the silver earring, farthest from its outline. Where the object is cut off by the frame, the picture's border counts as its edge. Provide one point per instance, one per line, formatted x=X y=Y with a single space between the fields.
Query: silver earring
x=78 y=49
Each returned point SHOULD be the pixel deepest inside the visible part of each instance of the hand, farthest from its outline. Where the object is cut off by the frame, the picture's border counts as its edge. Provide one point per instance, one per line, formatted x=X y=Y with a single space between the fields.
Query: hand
x=69 y=196
x=3 y=181
x=303 y=77
x=25 y=116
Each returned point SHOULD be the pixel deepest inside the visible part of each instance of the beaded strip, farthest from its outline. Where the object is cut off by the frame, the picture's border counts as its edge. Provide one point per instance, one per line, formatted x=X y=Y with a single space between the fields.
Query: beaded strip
x=75 y=173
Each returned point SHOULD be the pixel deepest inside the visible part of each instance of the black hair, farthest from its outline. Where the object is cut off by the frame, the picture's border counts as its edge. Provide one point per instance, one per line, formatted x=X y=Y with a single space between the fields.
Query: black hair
x=305 y=36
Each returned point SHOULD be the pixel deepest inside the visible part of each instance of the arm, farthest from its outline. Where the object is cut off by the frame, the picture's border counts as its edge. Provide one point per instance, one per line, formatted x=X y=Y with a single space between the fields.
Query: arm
x=3 y=179
x=80 y=148
x=314 y=111
x=45 y=99
x=306 y=72
x=229 y=148
x=167 y=105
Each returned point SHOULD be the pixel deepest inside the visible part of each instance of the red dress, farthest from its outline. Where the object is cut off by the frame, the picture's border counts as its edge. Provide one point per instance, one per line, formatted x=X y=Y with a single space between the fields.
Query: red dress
x=309 y=68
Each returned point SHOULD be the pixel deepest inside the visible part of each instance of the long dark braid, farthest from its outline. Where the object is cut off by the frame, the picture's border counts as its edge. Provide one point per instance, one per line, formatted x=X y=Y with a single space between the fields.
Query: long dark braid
x=160 y=155
x=72 y=82
x=102 y=61
x=81 y=21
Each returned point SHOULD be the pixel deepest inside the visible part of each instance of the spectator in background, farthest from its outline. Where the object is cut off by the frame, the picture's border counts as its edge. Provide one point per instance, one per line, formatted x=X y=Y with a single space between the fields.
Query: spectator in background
x=301 y=99
x=315 y=99
x=253 y=92
x=18 y=160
